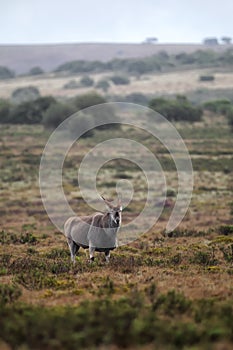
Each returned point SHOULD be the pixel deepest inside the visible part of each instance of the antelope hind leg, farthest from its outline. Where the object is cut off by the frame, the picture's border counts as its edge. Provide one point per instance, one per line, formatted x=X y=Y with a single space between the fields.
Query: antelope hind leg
x=73 y=249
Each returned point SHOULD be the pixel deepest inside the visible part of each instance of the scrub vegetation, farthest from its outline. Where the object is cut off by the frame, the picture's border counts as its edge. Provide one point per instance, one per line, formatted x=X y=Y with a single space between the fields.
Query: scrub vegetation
x=163 y=291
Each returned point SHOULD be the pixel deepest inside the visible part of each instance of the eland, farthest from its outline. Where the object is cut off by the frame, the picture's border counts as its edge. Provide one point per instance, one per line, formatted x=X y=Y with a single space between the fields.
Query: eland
x=96 y=232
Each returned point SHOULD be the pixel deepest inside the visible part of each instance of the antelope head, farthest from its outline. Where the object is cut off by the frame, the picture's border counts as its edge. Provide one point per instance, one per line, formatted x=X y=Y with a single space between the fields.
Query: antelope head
x=114 y=211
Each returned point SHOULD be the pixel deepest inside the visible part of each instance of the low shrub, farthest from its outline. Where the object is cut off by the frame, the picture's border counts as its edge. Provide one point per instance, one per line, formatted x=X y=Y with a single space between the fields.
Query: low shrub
x=57 y=113
x=6 y=73
x=24 y=94
x=206 y=78
x=12 y=238
x=86 y=81
x=103 y=84
x=223 y=106
x=226 y=229
x=87 y=100
x=4 y=110
x=120 y=80
x=80 y=123
x=9 y=293
x=137 y=98
x=35 y=71
x=218 y=106
x=229 y=115
x=176 y=110
x=172 y=321
x=30 y=112
x=72 y=84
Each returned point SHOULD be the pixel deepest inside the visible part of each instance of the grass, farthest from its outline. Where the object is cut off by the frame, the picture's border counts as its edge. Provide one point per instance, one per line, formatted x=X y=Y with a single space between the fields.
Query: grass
x=182 y=81
x=163 y=290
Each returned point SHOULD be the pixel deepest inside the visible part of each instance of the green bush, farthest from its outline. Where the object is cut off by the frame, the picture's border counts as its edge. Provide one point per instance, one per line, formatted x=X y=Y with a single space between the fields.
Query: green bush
x=218 y=106
x=8 y=293
x=229 y=115
x=170 y=322
x=88 y=100
x=72 y=84
x=86 y=81
x=137 y=97
x=57 y=113
x=222 y=106
x=30 y=112
x=24 y=94
x=4 y=111
x=226 y=229
x=103 y=84
x=81 y=66
x=12 y=238
x=206 y=78
x=119 y=80
x=6 y=73
x=140 y=67
x=105 y=114
x=80 y=123
x=175 y=110
x=35 y=71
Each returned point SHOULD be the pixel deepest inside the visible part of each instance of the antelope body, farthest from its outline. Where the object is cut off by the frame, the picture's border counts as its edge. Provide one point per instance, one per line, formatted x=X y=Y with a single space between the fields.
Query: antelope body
x=98 y=232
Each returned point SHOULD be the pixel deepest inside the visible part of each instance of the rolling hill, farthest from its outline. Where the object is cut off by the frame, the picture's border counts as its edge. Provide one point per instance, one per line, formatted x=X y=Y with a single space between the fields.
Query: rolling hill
x=22 y=58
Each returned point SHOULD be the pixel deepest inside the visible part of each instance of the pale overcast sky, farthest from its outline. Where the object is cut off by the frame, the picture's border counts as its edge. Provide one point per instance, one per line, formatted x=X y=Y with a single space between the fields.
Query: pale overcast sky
x=54 y=21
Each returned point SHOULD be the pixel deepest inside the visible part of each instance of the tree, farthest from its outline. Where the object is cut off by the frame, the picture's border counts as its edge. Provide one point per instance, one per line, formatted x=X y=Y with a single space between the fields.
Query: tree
x=226 y=40
x=175 y=110
x=137 y=97
x=81 y=122
x=24 y=94
x=86 y=81
x=139 y=67
x=6 y=73
x=4 y=111
x=120 y=80
x=30 y=112
x=105 y=114
x=218 y=106
x=151 y=40
x=72 y=84
x=88 y=100
x=229 y=115
x=211 y=41
x=56 y=114
x=36 y=71
x=103 y=84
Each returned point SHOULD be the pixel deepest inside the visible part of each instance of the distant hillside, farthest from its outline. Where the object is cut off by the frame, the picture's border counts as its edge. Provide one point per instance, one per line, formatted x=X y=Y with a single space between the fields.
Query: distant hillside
x=21 y=58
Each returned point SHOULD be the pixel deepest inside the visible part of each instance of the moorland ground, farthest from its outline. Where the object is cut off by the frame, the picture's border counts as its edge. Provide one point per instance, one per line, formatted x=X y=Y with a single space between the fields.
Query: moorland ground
x=163 y=290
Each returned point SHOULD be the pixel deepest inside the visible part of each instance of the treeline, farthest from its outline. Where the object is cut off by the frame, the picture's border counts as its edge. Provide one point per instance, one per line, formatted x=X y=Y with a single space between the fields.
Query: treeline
x=137 y=66
x=160 y=62
x=51 y=112
x=6 y=73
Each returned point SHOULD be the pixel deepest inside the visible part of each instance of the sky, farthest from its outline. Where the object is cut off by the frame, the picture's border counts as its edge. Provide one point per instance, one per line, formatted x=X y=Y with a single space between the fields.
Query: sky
x=125 y=21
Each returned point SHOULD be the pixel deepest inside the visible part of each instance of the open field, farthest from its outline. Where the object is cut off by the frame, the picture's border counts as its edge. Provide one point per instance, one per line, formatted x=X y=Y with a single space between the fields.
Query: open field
x=161 y=291
x=179 y=82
